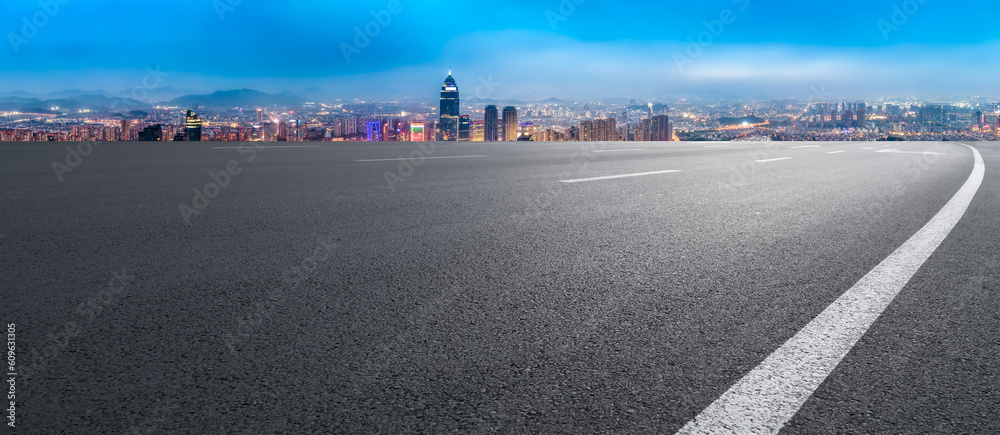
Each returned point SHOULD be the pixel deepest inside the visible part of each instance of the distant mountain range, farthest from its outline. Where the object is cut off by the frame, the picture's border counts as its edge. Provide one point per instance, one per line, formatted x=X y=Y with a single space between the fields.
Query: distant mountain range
x=238 y=98
x=78 y=102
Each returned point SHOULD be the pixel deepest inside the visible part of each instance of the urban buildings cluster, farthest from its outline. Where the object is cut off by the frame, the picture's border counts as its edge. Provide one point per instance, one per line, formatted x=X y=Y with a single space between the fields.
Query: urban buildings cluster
x=452 y=119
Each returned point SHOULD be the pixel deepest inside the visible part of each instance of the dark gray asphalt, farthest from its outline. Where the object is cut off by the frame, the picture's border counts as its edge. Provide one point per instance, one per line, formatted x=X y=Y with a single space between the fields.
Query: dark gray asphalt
x=317 y=293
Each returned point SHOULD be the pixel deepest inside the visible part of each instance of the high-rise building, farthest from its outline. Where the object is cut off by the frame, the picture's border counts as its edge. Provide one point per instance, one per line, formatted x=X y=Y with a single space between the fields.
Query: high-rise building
x=980 y=120
x=417 y=132
x=463 y=128
x=586 y=131
x=477 y=131
x=847 y=119
x=862 y=111
x=126 y=130
x=491 y=124
x=192 y=127
x=660 y=129
x=374 y=131
x=260 y=116
x=448 y=126
x=510 y=124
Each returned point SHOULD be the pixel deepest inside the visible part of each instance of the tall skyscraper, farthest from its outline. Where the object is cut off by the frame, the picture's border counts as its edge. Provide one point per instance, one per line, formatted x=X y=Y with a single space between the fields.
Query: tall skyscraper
x=491 y=121
x=260 y=116
x=510 y=124
x=192 y=127
x=980 y=120
x=448 y=126
x=660 y=129
x=862 y=121
x=586 y=131
x=463 y=128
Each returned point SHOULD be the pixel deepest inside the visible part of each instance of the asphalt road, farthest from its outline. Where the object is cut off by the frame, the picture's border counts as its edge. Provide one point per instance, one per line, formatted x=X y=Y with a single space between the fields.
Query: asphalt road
x=489 y=288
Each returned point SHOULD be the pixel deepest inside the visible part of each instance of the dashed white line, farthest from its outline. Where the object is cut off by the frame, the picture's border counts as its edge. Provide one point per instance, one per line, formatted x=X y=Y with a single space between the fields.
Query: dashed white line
x=835 y=152
x=773 y=160
x=618 y=151
x=764 y=400
x=866 y=148
x=803 y=146
x=267 y=146
x=895 y=151
x=424 y=158
x=612 y=177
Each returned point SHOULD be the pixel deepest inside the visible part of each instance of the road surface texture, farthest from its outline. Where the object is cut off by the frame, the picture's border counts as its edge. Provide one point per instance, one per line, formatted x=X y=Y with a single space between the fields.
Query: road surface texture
x=494 y=287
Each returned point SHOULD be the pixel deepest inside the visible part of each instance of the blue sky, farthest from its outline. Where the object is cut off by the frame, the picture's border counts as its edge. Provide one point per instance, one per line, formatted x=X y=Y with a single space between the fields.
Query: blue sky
x=527 y=49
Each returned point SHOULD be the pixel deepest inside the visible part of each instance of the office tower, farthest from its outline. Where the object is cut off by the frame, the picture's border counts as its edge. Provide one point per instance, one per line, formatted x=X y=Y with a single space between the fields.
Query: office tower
x=510 y=124
x=980 y=120
x=660 y=129
x=192 y=127
x=430 y=130
x=448 y=125
x=862 y=116
x=151 y=133
x=463 y=128
x=260 y=116
x=477 y=131
x=417 y=132
x=996 y=124
x=491 y=124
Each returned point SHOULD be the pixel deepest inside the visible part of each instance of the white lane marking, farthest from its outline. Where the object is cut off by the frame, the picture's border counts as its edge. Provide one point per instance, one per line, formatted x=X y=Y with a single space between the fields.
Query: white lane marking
x=717 y=146
x=803 y=146
x=773 y=160
x=425 y=158
x=618 y=151
x=612 y=177
x=265 y=146
x=836 y=152
x=866 y=148
x=895 y=151
x=765 y=399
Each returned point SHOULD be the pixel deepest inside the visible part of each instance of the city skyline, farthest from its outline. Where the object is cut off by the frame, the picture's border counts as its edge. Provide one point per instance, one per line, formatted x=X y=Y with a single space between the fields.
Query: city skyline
x=569 y=49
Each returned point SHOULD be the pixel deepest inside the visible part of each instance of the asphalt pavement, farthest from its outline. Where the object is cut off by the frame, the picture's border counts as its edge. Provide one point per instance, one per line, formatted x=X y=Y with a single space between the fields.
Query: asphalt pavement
x=618 y=287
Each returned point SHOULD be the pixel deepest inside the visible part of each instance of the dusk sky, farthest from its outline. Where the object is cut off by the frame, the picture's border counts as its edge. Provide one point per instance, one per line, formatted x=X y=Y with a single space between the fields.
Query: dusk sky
x=528 y=49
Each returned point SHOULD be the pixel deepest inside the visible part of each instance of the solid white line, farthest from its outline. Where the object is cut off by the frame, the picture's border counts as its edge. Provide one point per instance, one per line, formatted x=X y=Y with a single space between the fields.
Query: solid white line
x=272 y=146
x=836 y=152
x=773 y=160
x=803 y=146
x=765 y=399
x=617 y=151
x=427 y=158
x=895 y=151
x=612 y=177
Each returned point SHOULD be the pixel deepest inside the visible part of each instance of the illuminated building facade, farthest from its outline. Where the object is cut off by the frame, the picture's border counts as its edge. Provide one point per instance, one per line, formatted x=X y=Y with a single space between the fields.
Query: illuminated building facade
x=448 y=124
x=510 y=124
